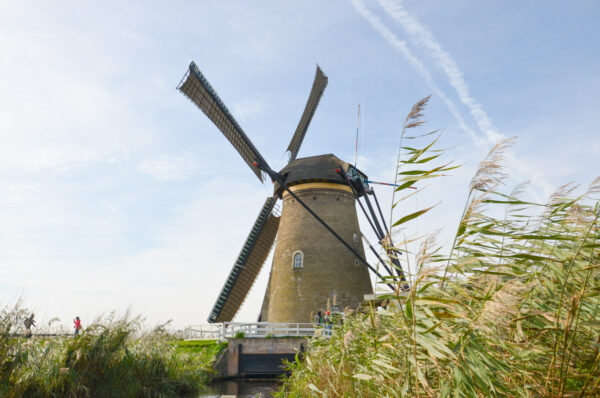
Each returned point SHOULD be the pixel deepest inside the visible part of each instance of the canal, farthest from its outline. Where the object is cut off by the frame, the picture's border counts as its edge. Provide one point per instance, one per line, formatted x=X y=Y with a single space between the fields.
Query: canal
x=242 y=388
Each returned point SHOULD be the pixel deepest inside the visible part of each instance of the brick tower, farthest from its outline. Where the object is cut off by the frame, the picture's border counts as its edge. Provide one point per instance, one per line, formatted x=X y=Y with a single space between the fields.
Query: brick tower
x=310 y=265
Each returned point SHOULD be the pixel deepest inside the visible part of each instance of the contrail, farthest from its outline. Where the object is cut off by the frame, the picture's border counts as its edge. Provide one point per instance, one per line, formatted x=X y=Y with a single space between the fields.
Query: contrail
x=425 y=39
x=416 y=63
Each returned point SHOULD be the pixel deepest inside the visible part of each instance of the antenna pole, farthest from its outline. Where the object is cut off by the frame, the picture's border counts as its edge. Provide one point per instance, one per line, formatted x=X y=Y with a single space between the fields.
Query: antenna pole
x=356 y=145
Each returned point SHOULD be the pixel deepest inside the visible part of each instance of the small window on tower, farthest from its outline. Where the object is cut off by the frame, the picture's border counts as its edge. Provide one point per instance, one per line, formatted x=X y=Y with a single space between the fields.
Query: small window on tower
x=298 y=260
x=355 y=237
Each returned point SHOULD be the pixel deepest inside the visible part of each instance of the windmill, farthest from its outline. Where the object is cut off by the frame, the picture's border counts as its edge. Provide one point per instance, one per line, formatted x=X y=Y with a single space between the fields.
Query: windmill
x=319 y=252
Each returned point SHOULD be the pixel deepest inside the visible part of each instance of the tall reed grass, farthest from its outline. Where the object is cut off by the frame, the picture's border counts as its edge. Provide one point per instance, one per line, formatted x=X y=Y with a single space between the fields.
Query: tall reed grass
x=512 y=310
x=111 y=358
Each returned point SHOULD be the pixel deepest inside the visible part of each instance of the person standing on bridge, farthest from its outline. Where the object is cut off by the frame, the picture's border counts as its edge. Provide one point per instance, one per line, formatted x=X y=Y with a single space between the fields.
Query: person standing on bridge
x=328 y=322
x=318 y=318
x=77 y=326
x=29 y=322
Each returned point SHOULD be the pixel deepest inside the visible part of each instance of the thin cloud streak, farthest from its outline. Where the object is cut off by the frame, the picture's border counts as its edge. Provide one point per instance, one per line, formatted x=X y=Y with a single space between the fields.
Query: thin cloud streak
x=417 y=65
x=183 y=166
x=425 y=39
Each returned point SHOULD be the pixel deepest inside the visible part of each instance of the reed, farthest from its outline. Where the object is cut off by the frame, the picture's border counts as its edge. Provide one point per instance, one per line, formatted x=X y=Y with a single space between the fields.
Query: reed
x=113 y=357
x=512 y=310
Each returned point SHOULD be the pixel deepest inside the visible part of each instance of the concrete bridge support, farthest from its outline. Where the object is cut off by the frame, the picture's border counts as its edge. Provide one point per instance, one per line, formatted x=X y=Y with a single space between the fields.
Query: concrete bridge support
x=251 y=357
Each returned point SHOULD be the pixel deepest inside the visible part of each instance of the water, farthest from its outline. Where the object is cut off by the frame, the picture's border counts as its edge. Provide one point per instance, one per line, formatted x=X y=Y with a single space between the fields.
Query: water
x=243 y=388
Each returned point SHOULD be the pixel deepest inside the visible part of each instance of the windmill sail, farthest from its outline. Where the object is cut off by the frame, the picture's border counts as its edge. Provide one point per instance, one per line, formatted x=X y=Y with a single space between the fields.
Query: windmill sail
x=248 y=264
x=195 y=86
x=316 y=93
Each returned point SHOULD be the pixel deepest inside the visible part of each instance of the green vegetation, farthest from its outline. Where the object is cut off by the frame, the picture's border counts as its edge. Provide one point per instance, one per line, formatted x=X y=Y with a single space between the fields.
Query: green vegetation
x=210 y=348
x=512 y=310
x=111 y=358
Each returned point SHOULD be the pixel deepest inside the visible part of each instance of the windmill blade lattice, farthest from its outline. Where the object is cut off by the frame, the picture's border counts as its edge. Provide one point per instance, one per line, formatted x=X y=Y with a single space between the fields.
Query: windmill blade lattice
x=248 y=264
x=319 y=85
x=195 y=86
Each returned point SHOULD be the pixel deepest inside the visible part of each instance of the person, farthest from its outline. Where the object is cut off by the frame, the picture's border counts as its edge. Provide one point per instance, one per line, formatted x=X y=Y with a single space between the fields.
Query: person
x=318 y=318
x=29 y=322
x=328 y=321
x=77 y=326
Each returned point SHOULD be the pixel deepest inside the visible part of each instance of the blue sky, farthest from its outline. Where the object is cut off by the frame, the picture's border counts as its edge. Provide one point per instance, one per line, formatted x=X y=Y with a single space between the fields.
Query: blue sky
x=116 y=192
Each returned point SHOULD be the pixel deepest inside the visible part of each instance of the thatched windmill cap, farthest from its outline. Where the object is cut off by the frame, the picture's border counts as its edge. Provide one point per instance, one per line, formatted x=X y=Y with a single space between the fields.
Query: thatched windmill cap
x=321 y=168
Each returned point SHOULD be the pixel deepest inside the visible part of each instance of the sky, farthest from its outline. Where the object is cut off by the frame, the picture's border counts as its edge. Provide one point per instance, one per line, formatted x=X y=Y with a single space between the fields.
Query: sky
x=117 y=193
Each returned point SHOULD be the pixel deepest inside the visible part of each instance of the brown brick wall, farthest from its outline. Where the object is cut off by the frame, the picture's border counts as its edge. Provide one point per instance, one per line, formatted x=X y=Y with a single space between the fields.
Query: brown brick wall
x=329 y=268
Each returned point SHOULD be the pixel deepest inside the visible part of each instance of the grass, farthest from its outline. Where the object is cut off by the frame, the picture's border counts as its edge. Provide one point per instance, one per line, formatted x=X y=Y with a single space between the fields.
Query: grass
x=111 y=358
x=204 y=347
x=511 y=310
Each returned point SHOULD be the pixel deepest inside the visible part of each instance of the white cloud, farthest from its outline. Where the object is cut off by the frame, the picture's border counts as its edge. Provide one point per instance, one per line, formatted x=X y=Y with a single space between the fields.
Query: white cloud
x=15 y=193
x=248 y=108
x=425 y=39
x=59 y=159
x=178 y=277
x=88 y=104
x=108 y=206
x=416 y=63
x=182 y=166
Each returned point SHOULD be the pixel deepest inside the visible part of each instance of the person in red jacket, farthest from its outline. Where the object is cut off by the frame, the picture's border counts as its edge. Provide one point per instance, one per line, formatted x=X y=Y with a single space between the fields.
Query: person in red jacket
x=77 y=326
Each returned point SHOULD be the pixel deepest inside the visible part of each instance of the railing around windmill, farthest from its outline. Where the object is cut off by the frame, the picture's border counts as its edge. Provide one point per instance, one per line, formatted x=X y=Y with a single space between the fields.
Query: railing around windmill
x=229 y=330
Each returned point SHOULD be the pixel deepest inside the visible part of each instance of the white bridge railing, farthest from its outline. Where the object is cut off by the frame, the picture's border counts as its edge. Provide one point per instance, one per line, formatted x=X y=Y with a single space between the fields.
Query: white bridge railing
x=228 y=330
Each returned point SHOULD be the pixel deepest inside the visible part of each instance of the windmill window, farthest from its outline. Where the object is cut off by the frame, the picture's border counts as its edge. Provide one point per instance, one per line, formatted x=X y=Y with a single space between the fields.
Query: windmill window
x=298 y=260
x=355 y=235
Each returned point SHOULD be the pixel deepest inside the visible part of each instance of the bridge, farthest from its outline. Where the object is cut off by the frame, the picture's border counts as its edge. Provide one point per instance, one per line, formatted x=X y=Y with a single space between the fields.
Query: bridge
x=256 y=349
x=228 y=330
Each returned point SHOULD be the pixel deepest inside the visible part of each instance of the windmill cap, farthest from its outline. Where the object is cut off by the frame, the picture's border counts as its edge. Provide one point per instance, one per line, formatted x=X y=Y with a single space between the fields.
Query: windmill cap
x=321 y=168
